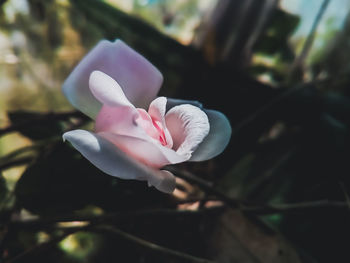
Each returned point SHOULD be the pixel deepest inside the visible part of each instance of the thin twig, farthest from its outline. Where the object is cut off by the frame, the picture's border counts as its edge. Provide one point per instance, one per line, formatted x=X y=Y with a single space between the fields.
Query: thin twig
x=114 y=217
x=140 y=243
x=149 y=246
x=294 y=207
x=205 y=185
x=257 y=209
x=299 y=61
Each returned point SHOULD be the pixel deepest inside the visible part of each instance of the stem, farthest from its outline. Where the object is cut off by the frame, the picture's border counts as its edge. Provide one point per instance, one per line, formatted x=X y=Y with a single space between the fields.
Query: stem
x=299 y=61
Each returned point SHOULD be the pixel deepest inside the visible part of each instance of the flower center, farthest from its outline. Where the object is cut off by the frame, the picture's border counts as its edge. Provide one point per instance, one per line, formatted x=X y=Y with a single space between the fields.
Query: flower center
x=151 y=126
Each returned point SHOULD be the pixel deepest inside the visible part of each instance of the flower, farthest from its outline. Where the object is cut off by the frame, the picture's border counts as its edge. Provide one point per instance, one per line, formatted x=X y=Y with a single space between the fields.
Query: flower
x=114 y=85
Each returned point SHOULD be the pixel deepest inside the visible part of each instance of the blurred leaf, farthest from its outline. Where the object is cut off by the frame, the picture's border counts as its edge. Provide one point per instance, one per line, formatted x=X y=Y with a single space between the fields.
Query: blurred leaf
x=61 y=180
x=29 y=125
x=237 y=238
x=3 y=188
x=54 y=28
x=275 y=40
x=338 y=106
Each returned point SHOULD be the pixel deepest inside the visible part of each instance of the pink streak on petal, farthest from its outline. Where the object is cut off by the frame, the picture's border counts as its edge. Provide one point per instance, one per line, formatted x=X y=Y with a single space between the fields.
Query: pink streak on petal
x=146 y=122
x=157 y=111
x=152 y=127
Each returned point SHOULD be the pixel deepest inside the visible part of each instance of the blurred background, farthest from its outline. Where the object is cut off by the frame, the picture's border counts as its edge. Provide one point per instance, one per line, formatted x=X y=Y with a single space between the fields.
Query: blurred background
x=278 y=69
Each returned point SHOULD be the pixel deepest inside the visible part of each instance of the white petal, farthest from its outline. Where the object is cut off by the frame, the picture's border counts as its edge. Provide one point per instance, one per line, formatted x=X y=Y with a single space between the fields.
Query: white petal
x=109 y=159
x=145 y=150
x=157 y=108
x=164 y=181
x=217 y=139
x=107 y=90
x=138 y=78
x=188 y=126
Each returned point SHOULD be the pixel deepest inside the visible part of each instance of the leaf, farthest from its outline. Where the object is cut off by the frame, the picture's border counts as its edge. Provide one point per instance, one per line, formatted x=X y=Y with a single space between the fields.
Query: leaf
x=62 y=181
x=30 y=124
x=275 y=40
x=237 y=238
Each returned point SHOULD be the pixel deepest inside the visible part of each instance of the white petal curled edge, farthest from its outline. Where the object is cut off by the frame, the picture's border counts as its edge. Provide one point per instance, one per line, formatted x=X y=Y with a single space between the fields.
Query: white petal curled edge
x=188 y=126
x=217 y=139
x=138 y=78
x=109 y=159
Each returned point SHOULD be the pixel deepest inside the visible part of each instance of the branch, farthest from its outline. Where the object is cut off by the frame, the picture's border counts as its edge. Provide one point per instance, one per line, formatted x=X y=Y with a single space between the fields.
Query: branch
x=149 y=246
x=44 y=118
x=206 y=186
x=295 y=207
x=114 y=217
x=141 y=243
x=16 y=162
x=263 y=209
x=93 y=220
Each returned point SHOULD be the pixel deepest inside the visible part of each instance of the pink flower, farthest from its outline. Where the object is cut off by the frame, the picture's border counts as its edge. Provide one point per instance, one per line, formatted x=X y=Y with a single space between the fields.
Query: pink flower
x=114 y=85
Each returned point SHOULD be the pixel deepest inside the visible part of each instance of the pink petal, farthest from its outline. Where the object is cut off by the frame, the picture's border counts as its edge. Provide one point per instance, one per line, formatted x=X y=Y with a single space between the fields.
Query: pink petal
x=109 y=159
x=119 y=120
x=146 y=122
x=139 y=79
x=188 y=126
x=145 y=150
x=217 y=139
x=107 y=91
